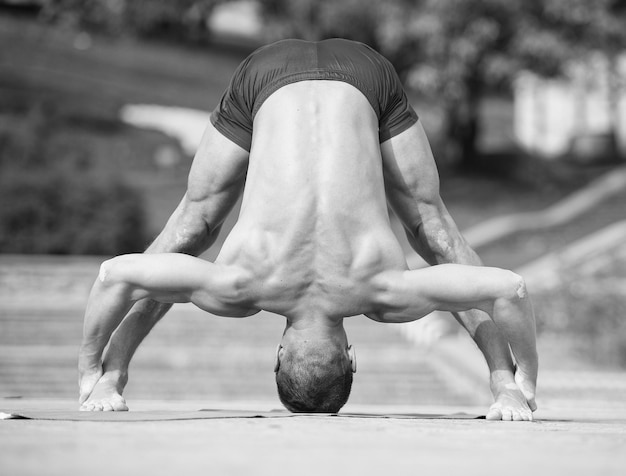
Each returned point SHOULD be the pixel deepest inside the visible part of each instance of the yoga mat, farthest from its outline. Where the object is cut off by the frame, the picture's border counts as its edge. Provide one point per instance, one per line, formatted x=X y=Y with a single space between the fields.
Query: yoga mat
x=207 y=414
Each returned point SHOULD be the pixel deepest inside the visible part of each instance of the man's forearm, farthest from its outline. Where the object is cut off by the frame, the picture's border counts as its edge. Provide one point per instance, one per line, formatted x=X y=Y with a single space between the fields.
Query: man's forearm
x=439 y=241
x=187 y=231
x=106 y=308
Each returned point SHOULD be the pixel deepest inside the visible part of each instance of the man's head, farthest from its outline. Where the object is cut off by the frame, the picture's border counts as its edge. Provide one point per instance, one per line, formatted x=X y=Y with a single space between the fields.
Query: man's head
x=314 y=375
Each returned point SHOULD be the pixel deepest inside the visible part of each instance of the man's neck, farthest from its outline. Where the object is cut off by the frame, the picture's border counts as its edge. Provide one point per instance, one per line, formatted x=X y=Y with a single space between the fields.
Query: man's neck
x=314 y=326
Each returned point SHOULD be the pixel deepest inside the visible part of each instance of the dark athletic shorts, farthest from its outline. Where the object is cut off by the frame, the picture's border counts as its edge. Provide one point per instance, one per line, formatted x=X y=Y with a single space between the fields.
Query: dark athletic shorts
x=276 y=65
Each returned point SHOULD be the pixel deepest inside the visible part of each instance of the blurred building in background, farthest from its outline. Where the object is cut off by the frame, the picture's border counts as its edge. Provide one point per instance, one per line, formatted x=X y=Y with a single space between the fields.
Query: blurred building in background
x=581 y=116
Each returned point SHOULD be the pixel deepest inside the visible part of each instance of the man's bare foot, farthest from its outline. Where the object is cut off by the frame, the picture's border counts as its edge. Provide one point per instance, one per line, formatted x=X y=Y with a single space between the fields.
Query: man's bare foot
x=511 y=403
x=106 y=396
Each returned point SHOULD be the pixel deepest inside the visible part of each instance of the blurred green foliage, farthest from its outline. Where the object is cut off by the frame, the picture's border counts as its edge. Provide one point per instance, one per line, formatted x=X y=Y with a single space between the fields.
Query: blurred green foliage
x=60 y=203
x=459 y=51
x=181 y=19
x=359 y=20
x=454 y=51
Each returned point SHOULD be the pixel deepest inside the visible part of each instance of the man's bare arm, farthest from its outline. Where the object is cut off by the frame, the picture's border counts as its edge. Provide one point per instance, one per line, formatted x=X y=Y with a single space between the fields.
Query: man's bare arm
x=403 y=296
x=412 y=187
x=215 y=183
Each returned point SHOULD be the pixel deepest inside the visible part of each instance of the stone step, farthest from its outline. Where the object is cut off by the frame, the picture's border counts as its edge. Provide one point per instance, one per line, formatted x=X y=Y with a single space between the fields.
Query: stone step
x=223 y=362
x=156 y=384
x=64 y=327
x=189 y=354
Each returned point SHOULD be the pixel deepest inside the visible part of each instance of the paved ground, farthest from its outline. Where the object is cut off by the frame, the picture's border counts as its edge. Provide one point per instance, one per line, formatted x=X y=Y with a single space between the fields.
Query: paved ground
x=559 y=443
x=581 y=427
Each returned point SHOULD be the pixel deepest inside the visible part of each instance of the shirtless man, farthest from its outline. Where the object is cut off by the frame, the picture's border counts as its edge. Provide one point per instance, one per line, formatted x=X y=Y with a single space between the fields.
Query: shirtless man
x=324 y=136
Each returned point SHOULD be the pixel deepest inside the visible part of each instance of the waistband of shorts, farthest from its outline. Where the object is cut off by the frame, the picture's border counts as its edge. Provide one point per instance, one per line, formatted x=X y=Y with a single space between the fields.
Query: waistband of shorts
x=312 y=75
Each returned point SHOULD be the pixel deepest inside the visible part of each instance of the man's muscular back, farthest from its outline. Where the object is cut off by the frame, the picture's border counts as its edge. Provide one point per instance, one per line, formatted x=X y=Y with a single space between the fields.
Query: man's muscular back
x=313 y=228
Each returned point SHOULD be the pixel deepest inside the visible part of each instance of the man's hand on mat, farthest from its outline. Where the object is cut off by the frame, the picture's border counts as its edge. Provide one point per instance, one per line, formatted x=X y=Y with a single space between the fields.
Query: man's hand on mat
x=105 y=396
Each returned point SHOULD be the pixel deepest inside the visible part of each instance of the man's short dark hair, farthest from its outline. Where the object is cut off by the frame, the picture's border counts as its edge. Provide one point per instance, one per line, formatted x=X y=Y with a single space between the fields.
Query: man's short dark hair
x=314 y=379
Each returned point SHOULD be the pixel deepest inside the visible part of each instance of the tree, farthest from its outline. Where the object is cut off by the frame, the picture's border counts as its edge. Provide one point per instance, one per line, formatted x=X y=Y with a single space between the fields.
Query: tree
x=585 y=29
x=453 y=50
x=318 y=19
x=182 y=19
x=460 y=50
x=62 y=203
x=456 y=51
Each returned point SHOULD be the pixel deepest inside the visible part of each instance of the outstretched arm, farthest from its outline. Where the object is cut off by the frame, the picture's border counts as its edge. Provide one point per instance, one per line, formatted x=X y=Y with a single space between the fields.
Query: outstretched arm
x=410 y=295
x=215 y=183
x=412 y=187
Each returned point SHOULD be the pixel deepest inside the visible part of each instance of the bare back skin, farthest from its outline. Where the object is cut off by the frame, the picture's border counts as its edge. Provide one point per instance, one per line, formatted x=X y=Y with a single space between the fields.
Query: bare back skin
x=314 y=228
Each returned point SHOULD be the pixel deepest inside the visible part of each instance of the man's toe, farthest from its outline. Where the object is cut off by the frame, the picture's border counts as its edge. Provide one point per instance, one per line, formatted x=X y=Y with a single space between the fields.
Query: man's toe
x=494 y=414
x=528 y=416
x=107 y=407
x=119 y=405
x=507 y=415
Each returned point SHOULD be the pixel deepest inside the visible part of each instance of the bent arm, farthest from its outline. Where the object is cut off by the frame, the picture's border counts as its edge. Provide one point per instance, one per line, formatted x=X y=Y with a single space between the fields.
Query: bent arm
x=412 y=187
x=214 y=185
x=165 y=278
x=410 y=295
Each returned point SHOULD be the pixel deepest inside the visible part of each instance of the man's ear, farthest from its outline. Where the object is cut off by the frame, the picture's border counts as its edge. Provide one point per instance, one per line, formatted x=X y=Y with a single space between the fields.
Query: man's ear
x=352 y=354
x=277 y=363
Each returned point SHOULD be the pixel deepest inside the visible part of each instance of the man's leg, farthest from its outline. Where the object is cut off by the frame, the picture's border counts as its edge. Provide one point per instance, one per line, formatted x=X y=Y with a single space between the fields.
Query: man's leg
x=215 y=182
